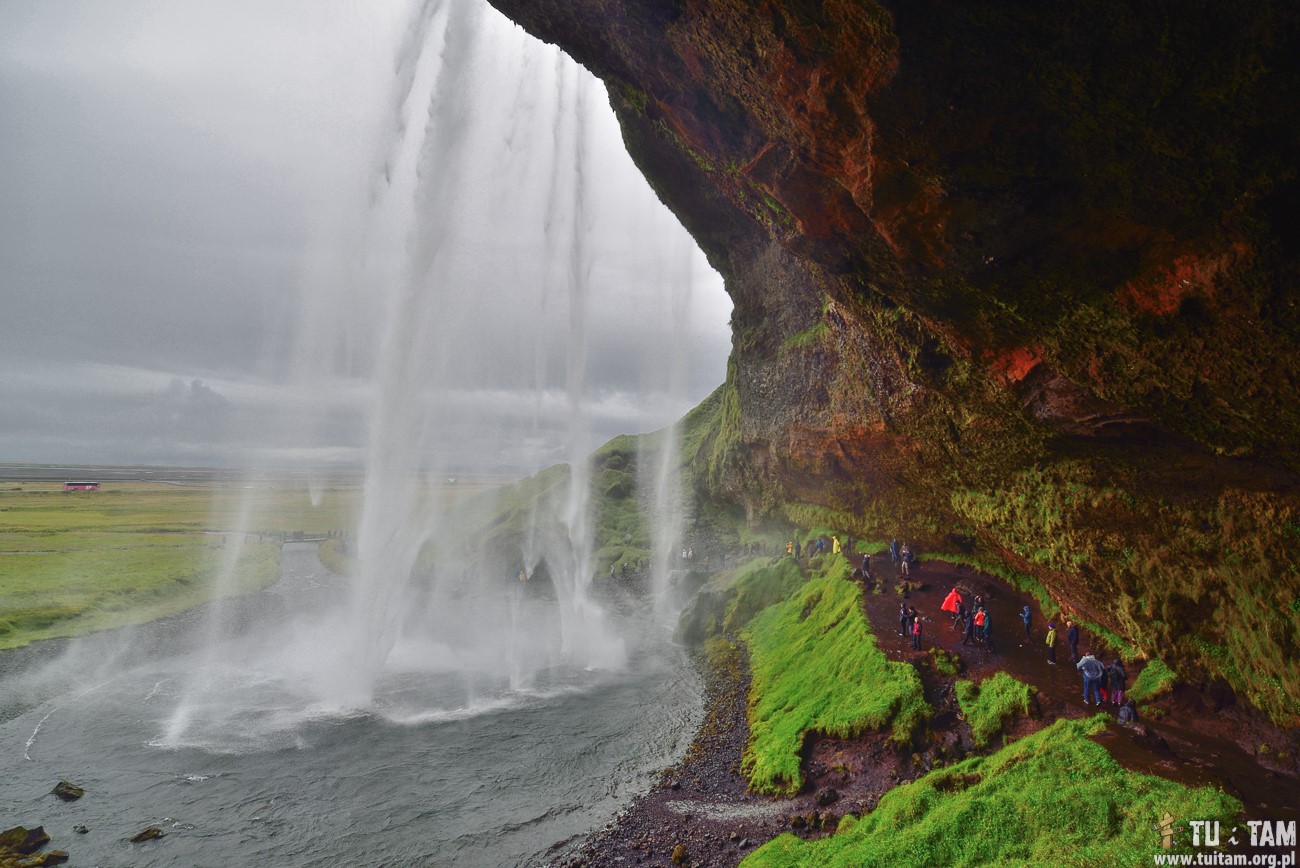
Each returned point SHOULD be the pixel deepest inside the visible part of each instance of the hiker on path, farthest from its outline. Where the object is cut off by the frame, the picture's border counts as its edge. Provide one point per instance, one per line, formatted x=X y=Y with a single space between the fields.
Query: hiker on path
x=1118 y=681
x=952 y=602
x=1025 y=616
x=1051 y=644
x=1103 y=683
x=986 y=629
x=969 y=623
x=796 y=549
x=916 y=633
x=1072 y=639
x=978 y=621
x=893 y=551
x=789 y=547
x=959 y=620
x=866 y=566
x=1128 y=712
x=1092 y=672
x=905 y=559
x=902 y=619
x=835 y=545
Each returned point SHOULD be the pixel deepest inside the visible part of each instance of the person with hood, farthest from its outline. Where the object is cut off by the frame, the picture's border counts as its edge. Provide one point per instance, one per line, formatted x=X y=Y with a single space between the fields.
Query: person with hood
x=1128 y=712
x=1051 y=644
x=903 y=621
x=969 y=623
x=835 y=544
x=952 y=602
x=1118 y=681
x=893 y=551
x=866 y=566
x=1072 y=639
x=1092 y=671
x=986 y=629
x=1025 y=616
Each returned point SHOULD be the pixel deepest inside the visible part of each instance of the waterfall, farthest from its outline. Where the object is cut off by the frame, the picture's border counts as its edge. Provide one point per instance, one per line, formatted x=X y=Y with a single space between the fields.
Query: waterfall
x=478 y=209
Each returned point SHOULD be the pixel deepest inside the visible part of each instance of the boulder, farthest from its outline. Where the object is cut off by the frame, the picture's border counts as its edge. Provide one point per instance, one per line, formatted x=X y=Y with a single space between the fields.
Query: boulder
x=148 y=834
x=68 y=791
x=20 y=840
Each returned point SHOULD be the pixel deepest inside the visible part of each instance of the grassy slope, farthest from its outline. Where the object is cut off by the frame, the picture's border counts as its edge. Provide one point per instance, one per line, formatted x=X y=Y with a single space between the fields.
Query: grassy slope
x=816 y=668
x=1052 y=798
x=133 y=552
x=991 y=703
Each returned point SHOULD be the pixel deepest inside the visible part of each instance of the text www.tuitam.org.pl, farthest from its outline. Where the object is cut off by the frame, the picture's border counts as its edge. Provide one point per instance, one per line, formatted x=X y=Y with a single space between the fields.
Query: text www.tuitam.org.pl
x=1257 y=834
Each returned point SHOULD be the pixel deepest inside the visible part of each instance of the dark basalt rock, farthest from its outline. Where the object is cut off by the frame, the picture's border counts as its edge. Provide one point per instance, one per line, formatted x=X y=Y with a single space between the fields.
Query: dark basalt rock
x=21 y=841
x=149 y=834
x=974 y=268
x=67 y=791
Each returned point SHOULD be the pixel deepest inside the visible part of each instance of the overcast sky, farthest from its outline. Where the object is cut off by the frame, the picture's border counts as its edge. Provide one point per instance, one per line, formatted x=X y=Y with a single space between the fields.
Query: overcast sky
x=215 y=215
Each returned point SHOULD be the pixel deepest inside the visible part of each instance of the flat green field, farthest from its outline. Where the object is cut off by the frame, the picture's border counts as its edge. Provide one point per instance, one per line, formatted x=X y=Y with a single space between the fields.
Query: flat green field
x=74 y=562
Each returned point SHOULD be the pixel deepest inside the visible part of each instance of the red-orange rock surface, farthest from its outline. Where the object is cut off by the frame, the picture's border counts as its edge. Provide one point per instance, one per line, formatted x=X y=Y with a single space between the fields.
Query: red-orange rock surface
x=1020 y=272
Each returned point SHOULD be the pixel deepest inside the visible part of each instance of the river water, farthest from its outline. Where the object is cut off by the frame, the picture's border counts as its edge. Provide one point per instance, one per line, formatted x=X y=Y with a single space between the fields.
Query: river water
x=439 y=772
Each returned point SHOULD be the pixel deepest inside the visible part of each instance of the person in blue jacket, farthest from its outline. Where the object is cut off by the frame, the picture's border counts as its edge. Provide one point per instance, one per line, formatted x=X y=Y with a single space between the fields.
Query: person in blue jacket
x=1092 y=671
x=1025 y=617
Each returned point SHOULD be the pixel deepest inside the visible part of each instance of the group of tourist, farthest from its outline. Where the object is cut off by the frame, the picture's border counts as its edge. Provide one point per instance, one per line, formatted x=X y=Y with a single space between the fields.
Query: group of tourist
x=1101 y=682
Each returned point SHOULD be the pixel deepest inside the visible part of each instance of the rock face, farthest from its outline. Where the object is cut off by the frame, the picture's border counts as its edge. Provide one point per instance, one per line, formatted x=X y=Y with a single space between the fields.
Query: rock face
x=1021 y=275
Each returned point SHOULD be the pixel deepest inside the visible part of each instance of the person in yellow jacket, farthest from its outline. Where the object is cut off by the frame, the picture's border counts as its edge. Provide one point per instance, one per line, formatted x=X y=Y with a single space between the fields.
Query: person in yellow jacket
x=1051 y=644
x=789 y=547
x=835 y=545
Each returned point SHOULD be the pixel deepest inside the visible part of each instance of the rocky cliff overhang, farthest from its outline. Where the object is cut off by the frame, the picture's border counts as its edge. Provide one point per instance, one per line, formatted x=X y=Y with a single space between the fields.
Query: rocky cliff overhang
x=1018 y=273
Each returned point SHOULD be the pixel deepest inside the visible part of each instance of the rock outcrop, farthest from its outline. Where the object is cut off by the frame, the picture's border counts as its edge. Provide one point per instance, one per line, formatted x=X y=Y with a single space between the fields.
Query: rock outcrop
x=1019 y=274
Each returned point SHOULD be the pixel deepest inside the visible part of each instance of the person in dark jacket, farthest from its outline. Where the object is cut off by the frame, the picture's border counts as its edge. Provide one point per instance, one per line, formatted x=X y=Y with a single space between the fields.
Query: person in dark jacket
x=893 y=551
x=1072 y=639
x=1118 y=681
x=1092 y=671
x=903 y=621
x=968 y=623
x=866 y=566
x=1103 y=683
x=1128 y=712
x=1025 y=616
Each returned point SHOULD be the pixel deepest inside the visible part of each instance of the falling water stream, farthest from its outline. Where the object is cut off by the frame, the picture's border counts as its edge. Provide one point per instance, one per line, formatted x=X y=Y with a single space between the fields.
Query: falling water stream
x=421 y=710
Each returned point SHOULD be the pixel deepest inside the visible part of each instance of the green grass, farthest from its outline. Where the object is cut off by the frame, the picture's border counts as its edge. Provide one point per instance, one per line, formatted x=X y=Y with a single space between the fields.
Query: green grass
x=990 y=704
x=1052 y=798
x=816 y=668
x=760 y=586
x=74 y=563
x=331 y=555
x=1154 y=679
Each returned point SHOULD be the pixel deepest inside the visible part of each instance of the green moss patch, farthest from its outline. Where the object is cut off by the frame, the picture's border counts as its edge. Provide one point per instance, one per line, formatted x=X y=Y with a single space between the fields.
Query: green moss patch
x=816 y=668
x=991 y=703
x=758 y=587
x=1053 y=798
x=1154 y=679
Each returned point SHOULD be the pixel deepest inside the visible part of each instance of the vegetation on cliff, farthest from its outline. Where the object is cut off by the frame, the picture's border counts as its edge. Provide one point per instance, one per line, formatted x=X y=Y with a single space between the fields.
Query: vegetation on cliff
x=816 y=668
x=1054 y=797
x=988 y=705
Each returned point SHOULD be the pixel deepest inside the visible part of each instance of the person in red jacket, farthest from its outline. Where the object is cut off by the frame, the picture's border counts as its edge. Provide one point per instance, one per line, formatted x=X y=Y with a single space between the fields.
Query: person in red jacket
x=952 y=602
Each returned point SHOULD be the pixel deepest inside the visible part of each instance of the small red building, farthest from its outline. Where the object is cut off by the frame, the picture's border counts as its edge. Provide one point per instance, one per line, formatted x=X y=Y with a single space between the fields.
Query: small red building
x=81 y=486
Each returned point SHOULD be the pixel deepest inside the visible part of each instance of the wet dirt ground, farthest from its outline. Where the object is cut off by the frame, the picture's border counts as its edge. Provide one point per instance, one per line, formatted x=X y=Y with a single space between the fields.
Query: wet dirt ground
x=701 y=814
